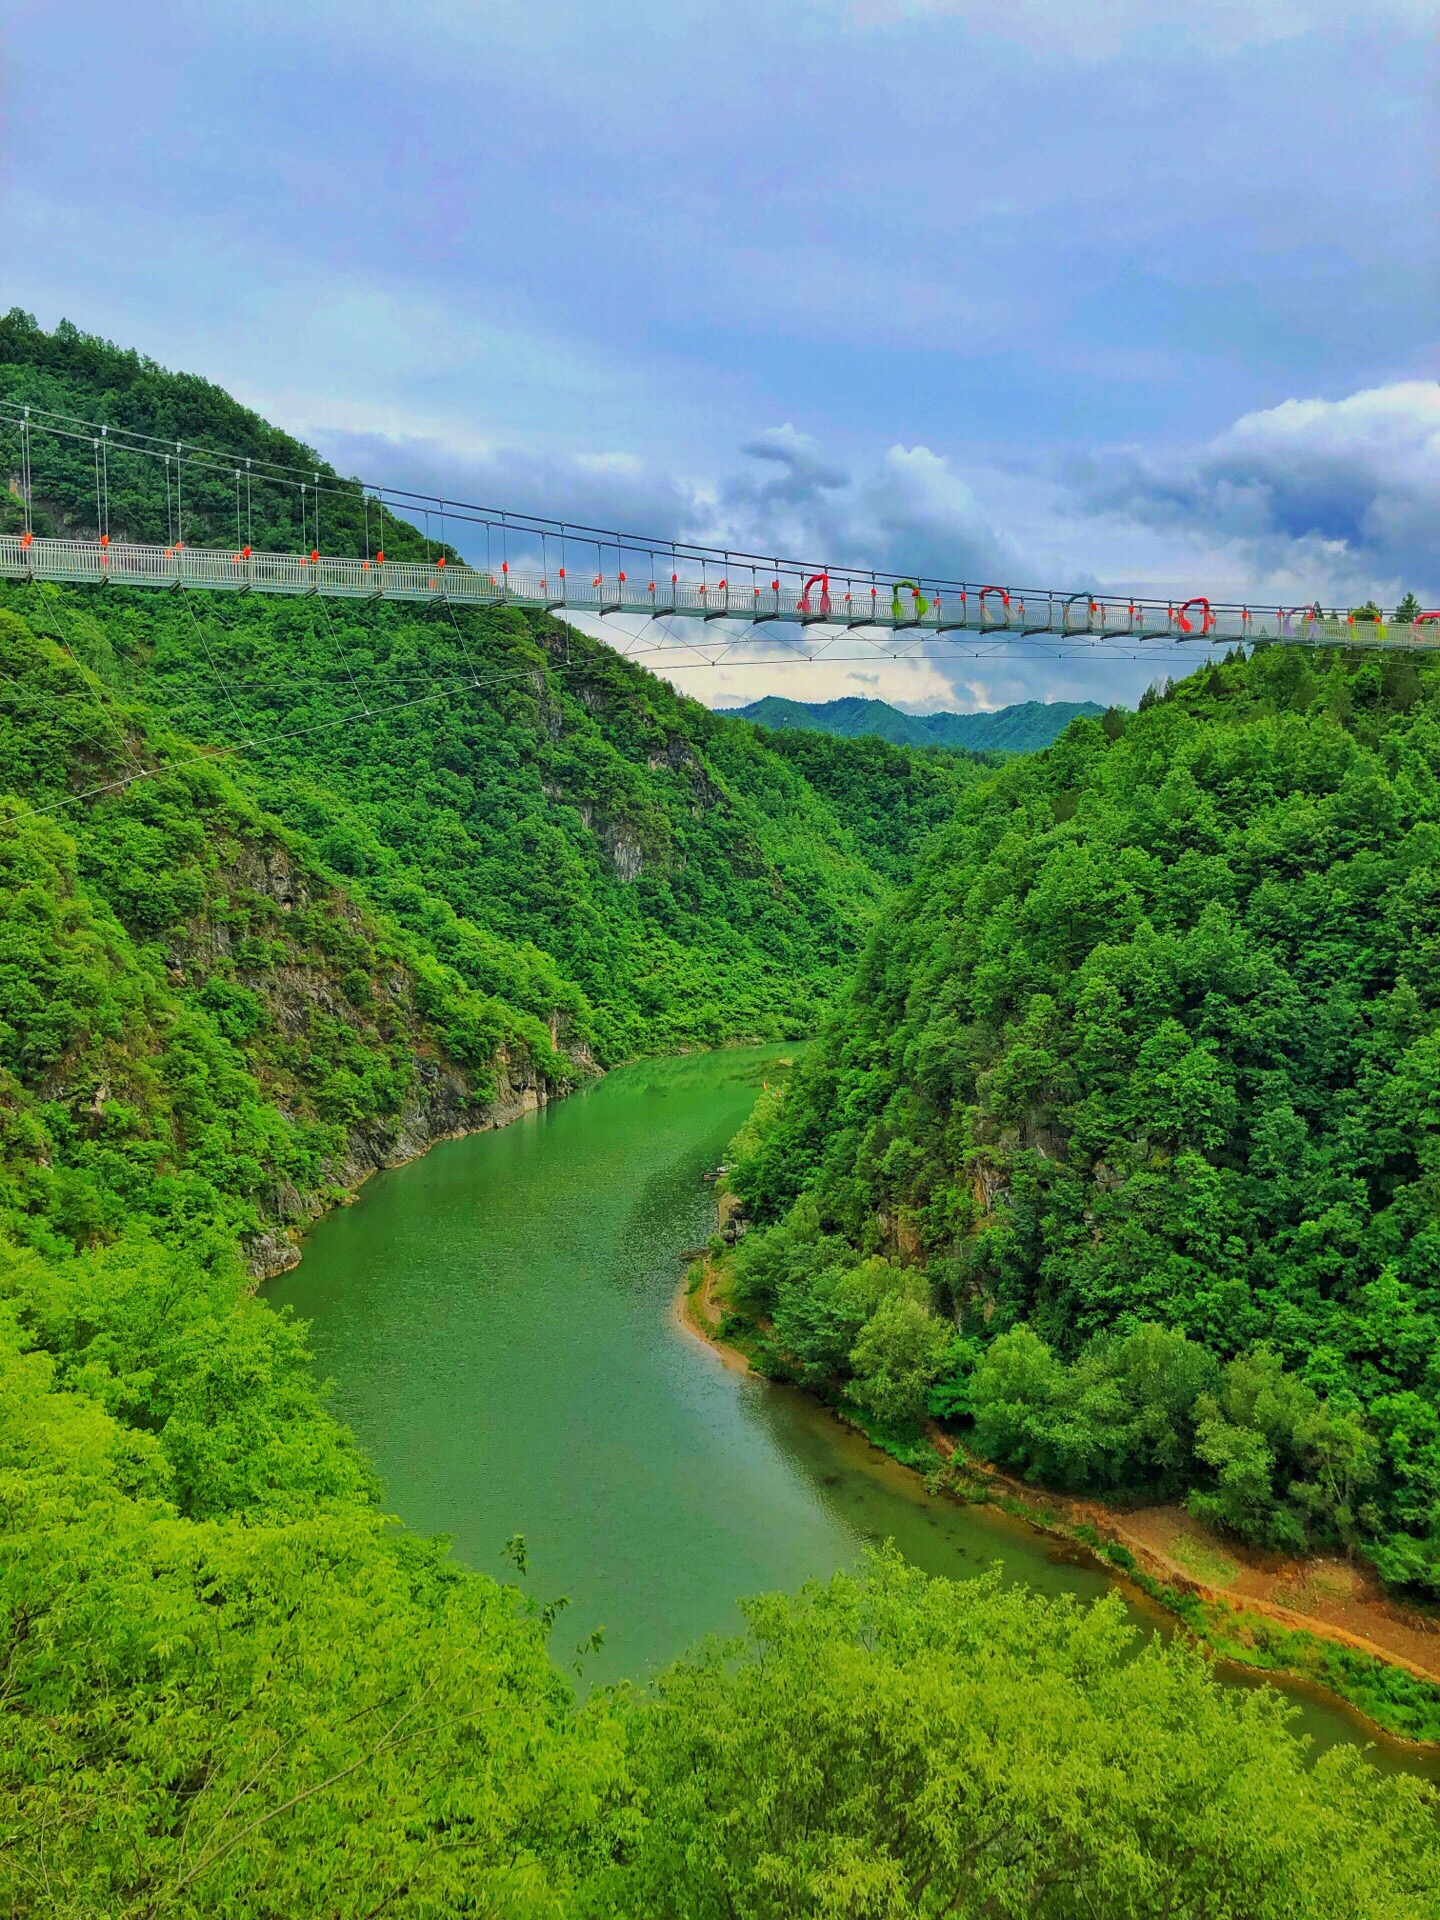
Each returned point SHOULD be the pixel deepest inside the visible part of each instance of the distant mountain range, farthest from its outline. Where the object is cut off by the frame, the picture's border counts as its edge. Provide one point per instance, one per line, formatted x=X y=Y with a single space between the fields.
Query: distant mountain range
x=1019 y=729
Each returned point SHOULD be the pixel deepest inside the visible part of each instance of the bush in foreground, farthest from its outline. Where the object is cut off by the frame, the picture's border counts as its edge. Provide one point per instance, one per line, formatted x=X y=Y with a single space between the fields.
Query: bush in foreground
x=897 y=1746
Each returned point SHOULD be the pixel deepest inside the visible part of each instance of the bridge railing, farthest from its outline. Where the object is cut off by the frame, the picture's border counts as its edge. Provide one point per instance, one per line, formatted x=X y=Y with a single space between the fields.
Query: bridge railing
x=823 y=599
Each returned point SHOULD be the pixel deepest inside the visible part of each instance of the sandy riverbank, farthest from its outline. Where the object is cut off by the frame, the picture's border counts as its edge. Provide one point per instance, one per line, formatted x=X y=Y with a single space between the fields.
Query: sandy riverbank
x=1331 y=1599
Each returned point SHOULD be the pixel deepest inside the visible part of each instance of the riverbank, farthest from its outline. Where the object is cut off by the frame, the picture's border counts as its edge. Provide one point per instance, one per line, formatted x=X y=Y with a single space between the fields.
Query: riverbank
x=1324 y=1622
x=493 y=1318
x=440 y=1107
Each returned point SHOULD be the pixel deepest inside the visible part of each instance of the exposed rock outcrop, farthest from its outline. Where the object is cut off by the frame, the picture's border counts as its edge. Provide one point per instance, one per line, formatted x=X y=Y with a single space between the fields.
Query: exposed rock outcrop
x=441 y=1107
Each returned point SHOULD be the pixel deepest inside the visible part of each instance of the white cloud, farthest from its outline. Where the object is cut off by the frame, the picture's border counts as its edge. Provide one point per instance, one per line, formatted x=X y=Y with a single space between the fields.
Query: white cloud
x=1308 y=497
x=910 y=511
x=1337 y=496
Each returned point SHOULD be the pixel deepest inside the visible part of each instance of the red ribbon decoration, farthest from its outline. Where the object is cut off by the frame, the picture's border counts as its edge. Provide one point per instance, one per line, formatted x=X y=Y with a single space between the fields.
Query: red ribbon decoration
x=1207 y=618
x=803 y=605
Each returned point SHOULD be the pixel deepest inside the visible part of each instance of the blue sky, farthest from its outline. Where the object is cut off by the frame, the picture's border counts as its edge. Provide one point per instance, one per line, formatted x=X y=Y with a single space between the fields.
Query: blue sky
x=1134 y=293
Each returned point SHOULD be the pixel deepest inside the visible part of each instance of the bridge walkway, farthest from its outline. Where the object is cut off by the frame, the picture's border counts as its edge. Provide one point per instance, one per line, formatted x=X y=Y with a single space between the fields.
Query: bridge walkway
x=823 y=600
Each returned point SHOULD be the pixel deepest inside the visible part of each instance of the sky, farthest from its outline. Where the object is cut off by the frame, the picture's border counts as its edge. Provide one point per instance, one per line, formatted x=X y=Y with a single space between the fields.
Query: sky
x=1130 y=294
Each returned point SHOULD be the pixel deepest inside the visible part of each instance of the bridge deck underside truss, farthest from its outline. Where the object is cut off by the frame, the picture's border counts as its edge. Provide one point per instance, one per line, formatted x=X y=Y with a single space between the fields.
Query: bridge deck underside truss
x=839 y=604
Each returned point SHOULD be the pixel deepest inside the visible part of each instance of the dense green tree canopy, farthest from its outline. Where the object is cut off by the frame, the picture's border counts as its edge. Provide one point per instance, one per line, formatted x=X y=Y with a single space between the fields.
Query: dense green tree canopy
x=902 y=1747
x=229 y=986
x=1140 y=1083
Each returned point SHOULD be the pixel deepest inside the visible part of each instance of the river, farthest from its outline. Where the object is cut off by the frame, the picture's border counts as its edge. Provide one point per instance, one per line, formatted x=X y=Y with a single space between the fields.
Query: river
x=496 y=1318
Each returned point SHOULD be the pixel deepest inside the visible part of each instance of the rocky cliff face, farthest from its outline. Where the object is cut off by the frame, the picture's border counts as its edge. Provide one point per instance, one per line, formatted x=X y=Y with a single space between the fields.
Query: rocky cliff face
x=441 y=1107
x=316 y=935
x=251 y=1058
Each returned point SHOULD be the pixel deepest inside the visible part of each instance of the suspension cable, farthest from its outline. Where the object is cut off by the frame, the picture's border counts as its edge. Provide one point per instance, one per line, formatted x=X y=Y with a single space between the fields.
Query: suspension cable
x=345 y=658
x=25 y=475
x=104 y=712
x=219 y=678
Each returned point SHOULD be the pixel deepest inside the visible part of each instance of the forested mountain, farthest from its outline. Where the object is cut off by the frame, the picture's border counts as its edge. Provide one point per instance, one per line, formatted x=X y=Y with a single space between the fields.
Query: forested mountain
x=496 y=766
x=1025 y=728
x=1123 y=1150
x=455 y=865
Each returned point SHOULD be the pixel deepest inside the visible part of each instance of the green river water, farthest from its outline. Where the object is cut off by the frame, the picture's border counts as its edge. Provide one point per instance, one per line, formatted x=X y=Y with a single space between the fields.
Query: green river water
x=498 y=1321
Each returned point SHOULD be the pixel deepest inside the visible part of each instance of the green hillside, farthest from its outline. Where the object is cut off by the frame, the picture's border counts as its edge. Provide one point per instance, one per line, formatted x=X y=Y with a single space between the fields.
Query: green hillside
x=1122 y=1152
x=493 y=781
x=456 y=865
x=1025 y=728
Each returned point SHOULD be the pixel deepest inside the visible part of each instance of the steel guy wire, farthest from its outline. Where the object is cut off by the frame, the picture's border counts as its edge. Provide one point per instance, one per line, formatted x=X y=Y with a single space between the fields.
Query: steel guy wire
x=256 y=743
x=219 y=680
x=105 y=715
x=340 y=650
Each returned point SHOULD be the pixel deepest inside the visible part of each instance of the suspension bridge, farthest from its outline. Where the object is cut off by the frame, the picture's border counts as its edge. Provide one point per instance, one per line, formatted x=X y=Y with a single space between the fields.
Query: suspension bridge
x=757 y=597
x=559 y=567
